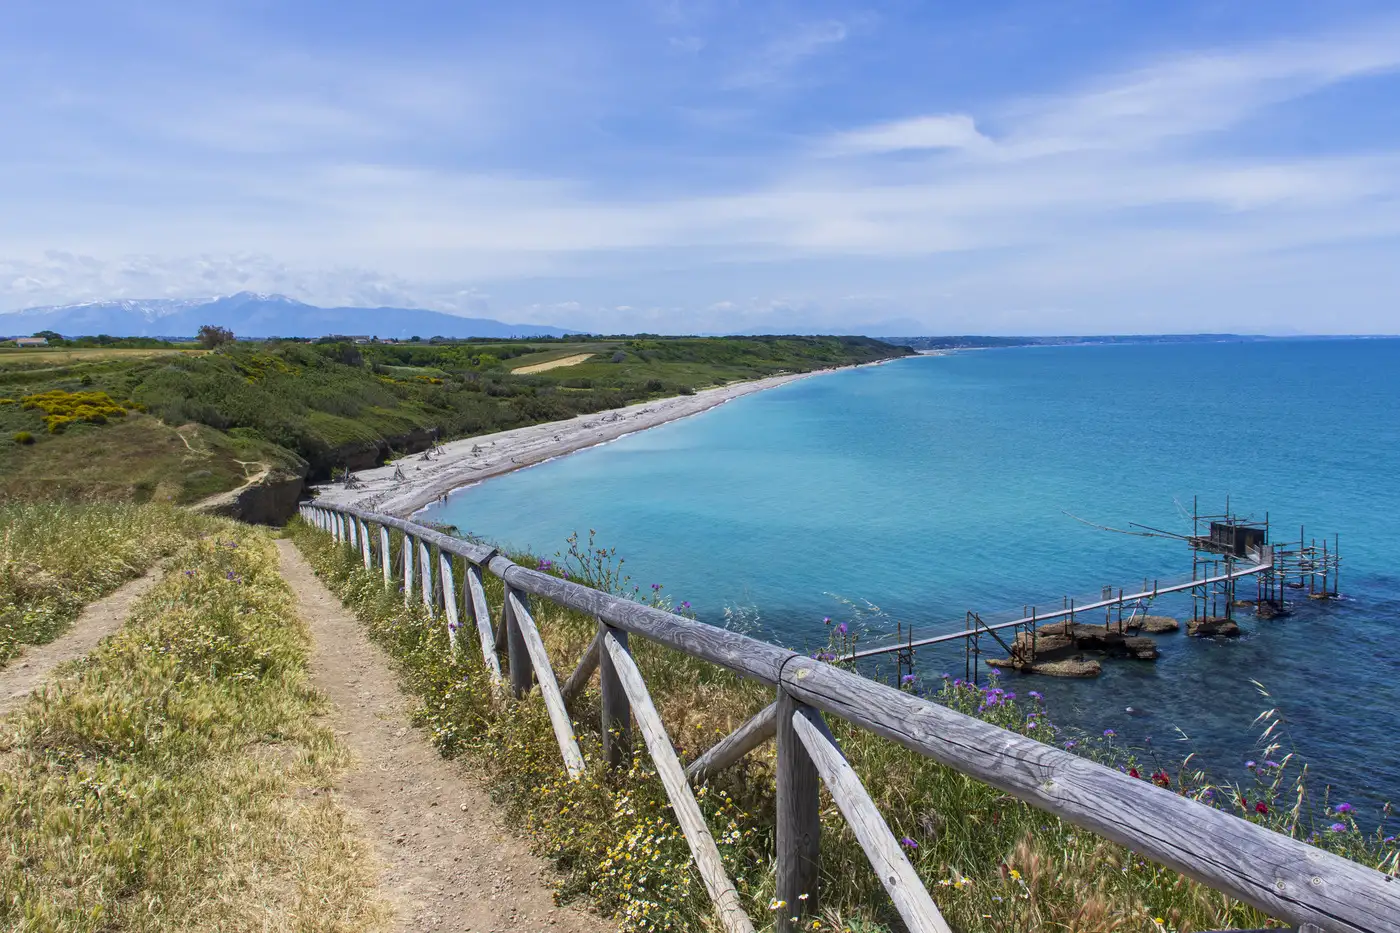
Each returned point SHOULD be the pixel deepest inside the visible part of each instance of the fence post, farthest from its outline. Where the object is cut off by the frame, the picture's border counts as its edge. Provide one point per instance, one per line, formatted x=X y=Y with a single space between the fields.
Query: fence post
x=384 y=554
x=617 y=711
x=449 y=602
x=408 y=561
x=521 y=673
x=799 y=823
x=365 y=547
x=425 y=574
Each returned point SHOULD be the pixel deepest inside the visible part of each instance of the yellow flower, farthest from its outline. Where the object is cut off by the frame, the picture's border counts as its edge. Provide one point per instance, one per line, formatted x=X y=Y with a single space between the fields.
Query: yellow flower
x=1015 y=875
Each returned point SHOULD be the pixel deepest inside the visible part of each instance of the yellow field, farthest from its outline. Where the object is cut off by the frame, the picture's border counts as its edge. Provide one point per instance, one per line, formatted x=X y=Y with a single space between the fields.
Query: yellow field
x=552 y=364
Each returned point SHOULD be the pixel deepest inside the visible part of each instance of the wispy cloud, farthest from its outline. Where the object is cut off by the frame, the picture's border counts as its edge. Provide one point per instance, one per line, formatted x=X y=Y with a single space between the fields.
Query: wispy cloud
x=775 y=61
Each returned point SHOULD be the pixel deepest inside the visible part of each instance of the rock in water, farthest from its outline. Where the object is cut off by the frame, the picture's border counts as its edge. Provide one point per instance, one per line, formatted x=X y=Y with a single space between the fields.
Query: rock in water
x=1213 y=627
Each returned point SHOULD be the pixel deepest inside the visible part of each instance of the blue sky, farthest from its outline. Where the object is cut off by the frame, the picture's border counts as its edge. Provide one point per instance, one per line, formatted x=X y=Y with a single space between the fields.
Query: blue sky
x=1064 y=166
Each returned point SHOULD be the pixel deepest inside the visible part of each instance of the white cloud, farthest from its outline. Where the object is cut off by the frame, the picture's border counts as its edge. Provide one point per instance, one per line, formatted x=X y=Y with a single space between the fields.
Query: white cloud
x=940 y=131
x=774 y=62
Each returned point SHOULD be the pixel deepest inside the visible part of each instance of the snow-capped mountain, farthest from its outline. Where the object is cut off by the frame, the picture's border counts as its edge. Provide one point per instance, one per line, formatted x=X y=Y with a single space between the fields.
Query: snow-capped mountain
x=250 y=314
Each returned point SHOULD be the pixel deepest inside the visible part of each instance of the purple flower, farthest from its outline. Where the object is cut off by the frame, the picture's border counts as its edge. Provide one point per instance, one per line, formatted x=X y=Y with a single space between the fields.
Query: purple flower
x=655 y=586
x=1272 y=764
x=1344 y=808
x=1109 y=733
x=1071 y=744
x=1035 y=695
x=1338 y=827
x=841 y=628
x=1388 y=839
x=826 y=620
x=1031 y=724
x=1250 y=765
x=947 y=676
x=685 y=604
x=907 y=679
x=908 y=843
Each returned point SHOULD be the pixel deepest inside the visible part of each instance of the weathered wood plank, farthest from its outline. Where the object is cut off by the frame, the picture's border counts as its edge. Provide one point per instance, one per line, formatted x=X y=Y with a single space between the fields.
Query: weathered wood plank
x=587 y=664
x=739 y=653
x=799 y=824
x=521 y=675
x=1283 y=877
x=481 y=615
x=365 y=548
x=549 y=687
x=406 y=552
x=697 y=835
x=753 y=733
x=911 y=899
x=425 y=574
x=385 y=557
x=617 y=712
x=449 y=598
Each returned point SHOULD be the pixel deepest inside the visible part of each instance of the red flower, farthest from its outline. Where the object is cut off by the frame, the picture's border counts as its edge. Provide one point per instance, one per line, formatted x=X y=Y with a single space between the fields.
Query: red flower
x=1133 y=773
x=1261 y=808
x=1161 y=779
x=1244 y=803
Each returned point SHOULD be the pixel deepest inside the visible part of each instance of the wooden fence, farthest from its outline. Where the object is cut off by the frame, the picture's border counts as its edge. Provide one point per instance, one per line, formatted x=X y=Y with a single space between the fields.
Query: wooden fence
x=1285 y=878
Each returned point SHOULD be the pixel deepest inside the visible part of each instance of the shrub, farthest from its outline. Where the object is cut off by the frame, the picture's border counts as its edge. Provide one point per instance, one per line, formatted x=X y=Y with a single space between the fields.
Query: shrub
x=24 y=437
x=62 y=408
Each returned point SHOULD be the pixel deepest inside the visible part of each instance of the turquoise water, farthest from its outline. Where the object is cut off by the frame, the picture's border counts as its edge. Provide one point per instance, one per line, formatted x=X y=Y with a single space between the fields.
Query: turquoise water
x=936 y=485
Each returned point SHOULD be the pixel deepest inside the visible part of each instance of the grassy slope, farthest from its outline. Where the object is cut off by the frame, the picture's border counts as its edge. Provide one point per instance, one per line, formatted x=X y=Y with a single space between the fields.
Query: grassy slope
x=57 y=557
x=991 y=862
x=175 y=778
x=290 y=405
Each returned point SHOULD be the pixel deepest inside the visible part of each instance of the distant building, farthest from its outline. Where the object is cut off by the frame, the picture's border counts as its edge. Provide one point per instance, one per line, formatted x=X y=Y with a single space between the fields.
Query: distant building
x=32 y=341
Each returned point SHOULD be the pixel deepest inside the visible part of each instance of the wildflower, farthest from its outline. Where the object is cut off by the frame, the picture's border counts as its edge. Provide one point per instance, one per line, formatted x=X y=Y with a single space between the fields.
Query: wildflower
x=1344 y=808
x=908 y=843
x=842 y=628
x=907 y=679
x=1035 y=695
x=826 y=620
x=1161 y=779
x=1338 y=827
x=1250 y=765
x=655 y=587
x=1133 y=773
x=1261 y=808
x=1014 y=874
x=686 y=604
x=776 y=904
x=1071 y=744
x=1109 y=733
x=1388 y=839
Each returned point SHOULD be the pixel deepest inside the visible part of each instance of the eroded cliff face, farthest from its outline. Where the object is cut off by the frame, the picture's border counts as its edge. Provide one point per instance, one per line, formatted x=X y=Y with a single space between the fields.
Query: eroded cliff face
x=269 y=498
x=362 y=455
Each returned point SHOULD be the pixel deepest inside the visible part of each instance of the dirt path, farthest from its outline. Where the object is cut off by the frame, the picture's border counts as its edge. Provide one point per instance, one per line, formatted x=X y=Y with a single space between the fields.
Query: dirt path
x=552 y=364
x=449 y=864
x=98 y=620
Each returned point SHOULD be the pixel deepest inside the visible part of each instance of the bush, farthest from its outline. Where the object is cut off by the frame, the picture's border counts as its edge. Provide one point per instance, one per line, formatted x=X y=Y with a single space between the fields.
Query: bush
x=62 y=408
x=24 y=437
x=656 y=385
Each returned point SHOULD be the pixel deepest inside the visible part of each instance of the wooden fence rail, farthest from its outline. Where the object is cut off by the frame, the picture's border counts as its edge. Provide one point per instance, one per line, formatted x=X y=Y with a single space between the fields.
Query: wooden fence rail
x=1285 y=878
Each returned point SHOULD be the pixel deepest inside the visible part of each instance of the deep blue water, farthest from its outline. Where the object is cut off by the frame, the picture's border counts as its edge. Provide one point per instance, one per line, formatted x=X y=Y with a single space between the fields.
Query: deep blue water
x=936 y=485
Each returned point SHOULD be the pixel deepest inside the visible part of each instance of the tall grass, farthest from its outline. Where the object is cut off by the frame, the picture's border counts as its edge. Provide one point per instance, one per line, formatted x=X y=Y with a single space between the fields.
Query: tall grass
x=990 y=861
x=56 y=557
x=177 y=778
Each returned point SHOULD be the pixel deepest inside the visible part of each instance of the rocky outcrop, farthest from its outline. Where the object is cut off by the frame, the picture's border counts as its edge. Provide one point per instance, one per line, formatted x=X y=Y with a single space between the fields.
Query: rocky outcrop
x=1066 y=667
x=1213 y=627
x=1059 y=649
x=1156 y=625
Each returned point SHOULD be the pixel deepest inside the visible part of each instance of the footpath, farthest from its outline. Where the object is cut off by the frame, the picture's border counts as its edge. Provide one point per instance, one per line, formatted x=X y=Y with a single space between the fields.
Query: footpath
x=447 y=861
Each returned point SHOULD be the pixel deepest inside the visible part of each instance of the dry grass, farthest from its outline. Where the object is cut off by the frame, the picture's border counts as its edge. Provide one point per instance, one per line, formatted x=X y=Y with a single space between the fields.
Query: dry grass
x=179 y=778
x=552 y=364
x=57 y=557
x=61 y=356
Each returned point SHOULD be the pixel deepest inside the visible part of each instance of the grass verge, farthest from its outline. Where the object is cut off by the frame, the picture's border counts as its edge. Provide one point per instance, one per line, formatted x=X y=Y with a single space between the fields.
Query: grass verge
x=991 y=862
x=177 y=777
x=56 y=557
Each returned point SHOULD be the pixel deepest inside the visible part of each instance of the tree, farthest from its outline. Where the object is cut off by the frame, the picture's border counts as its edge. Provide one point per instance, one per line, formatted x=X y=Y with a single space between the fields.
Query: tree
x=212 y=337
x=49 y=335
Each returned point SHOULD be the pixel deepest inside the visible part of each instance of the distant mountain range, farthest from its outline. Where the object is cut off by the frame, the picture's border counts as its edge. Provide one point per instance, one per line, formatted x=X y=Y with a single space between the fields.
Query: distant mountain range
x=248 y=314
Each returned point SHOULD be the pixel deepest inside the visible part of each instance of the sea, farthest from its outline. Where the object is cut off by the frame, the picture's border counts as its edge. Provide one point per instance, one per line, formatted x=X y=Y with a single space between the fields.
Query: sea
x=913 y=492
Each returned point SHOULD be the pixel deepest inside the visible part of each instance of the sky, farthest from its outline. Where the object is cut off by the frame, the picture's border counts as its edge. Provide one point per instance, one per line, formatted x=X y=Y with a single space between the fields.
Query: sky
x=682 y=166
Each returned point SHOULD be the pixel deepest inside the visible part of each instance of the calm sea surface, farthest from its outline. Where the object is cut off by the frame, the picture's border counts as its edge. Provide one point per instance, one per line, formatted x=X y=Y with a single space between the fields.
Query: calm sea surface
x=936 y=485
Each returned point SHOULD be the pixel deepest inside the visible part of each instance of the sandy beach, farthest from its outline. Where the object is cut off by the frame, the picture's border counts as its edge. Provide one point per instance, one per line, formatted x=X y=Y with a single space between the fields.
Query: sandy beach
x=404 y=486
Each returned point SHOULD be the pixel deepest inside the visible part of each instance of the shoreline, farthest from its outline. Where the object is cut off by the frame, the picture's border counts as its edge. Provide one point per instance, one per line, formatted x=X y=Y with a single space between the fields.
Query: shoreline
x=468 y=461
